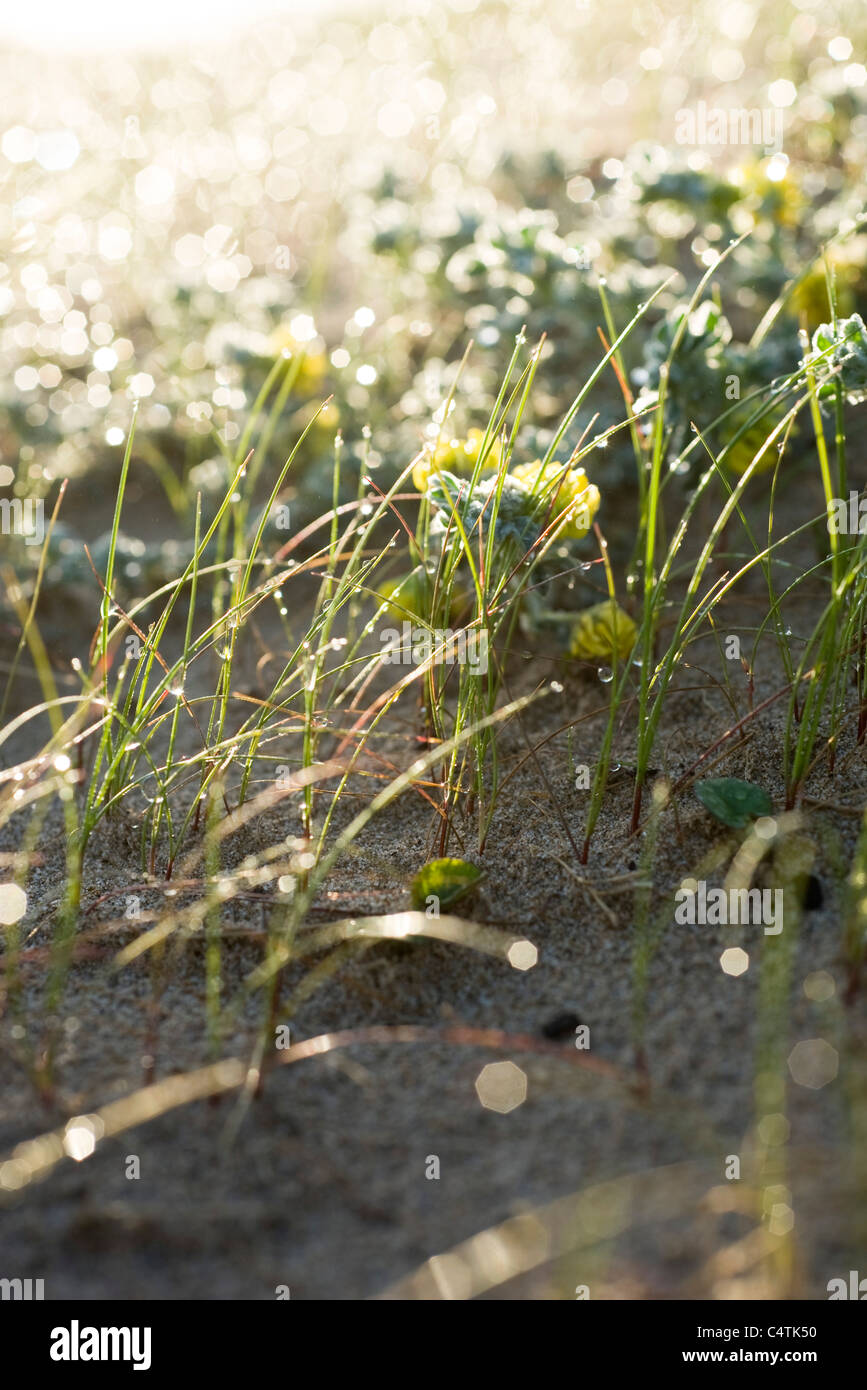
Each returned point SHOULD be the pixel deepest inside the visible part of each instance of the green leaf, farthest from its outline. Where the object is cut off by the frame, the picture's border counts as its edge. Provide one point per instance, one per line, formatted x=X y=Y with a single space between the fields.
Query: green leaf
x=732 y=801
x=444 y=879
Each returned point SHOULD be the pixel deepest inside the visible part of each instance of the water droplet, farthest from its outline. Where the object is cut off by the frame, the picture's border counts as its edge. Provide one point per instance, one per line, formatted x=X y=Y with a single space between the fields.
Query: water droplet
x=605 y=674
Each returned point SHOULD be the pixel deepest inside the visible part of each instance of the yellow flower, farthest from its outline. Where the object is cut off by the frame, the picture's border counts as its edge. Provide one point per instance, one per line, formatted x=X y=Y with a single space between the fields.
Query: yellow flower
x=602 y=632
x=458 y=456
x=313 y=368
x=781 y=200
x=575 y=492
x=742 y=453
x=405 y=596
x=810 y=297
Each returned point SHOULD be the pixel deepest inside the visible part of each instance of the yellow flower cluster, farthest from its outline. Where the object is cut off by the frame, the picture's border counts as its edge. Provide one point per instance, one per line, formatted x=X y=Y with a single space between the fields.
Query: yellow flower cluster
x=575 y=492
x=458 y=456
x=603 y=632
x=313 y=368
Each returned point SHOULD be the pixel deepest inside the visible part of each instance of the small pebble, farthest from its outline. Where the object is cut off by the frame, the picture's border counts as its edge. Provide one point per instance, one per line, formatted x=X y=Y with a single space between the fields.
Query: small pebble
x=813 y=893
x=561 y=1026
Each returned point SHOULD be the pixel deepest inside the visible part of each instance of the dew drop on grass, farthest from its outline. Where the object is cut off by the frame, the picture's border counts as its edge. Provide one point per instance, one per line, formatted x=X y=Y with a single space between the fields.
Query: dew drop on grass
x=605 y=674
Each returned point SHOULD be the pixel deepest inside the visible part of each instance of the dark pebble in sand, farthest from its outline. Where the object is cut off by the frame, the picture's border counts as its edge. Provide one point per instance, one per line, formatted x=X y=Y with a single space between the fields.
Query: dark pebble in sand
x=561 y=1026
x=813 y=894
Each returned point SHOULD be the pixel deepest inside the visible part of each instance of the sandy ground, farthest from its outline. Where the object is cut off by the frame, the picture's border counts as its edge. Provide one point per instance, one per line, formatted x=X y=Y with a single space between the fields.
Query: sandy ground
x=323 y=1188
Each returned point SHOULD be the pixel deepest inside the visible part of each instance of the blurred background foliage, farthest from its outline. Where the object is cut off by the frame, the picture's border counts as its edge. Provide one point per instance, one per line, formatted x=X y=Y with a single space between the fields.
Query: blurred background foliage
x=369 y=188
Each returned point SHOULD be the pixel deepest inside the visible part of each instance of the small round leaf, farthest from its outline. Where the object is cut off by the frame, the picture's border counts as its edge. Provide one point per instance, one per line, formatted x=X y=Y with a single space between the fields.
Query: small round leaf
x=444 y=879
x=732 y=801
